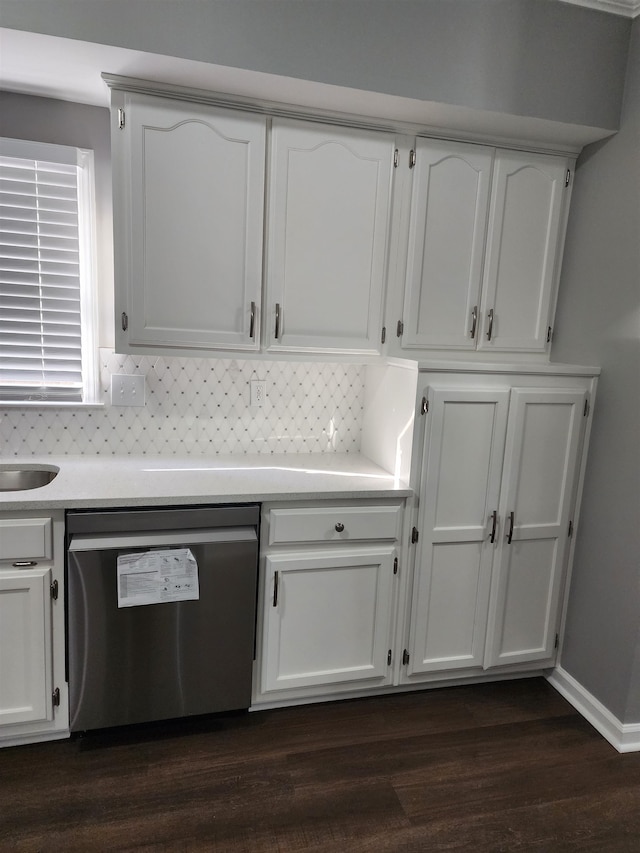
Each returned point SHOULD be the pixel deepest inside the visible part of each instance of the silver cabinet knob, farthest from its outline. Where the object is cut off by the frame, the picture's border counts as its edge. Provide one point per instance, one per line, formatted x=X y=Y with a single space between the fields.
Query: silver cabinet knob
x=339 y=527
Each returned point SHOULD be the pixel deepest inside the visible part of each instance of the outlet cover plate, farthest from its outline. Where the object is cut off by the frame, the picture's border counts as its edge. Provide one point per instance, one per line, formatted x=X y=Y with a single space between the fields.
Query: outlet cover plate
x=258 y=393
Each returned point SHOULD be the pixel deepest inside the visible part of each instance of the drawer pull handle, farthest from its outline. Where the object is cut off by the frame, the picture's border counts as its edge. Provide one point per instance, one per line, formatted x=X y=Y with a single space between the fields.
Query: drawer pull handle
x=25 y=564
x=339 y=527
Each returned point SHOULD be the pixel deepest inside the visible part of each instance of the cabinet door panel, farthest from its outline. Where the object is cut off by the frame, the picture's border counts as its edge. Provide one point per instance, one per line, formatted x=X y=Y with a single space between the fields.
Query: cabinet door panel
x=543 y=442
x=330 y=622
x=328 y=225
x=528 y=599
x=463 y=464
x=195 y=177
x=523 y=242
x=453 y=623
x=449 y=209
x=25 y=646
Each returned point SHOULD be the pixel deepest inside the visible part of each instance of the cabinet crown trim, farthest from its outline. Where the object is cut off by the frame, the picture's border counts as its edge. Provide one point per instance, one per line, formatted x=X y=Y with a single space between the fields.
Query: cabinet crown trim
x=269 y=108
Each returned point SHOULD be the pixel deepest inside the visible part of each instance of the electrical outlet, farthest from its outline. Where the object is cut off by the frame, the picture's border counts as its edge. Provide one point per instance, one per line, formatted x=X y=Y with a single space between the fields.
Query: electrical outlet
x=127 y=390
x=258 y=393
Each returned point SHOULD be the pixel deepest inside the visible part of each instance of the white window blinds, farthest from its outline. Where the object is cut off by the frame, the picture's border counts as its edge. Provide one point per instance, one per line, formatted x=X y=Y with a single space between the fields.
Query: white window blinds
x=45 y=261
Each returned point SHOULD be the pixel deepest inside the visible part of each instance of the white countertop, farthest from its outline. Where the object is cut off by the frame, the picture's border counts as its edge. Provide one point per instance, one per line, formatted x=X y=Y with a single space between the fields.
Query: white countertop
x=97 y=481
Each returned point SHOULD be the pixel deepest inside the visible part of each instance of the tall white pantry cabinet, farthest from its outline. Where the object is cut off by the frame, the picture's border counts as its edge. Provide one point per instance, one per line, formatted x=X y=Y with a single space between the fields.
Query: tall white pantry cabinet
x=496 y=456
x=497 y=493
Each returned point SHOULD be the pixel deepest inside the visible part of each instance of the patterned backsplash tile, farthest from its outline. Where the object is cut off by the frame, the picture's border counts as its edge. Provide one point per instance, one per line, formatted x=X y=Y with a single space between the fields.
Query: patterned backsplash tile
x=201 y=407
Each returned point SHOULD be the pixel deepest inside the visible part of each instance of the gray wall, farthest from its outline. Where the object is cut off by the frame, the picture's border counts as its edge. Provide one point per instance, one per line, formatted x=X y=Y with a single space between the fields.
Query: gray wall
x=538 y=58
x=64 y=123
x=598 y=322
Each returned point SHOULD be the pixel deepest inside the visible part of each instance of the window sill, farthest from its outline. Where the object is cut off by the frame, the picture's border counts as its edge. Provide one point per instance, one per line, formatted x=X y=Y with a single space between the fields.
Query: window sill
x=49 y=404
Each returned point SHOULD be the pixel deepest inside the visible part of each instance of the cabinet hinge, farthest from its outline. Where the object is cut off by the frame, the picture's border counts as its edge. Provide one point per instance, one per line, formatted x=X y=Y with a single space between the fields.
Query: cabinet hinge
x=414 y=535
x=55 y=697
x=557 y=642
x=405 y=657
x=567 y=179
x=120 y=118
x=587 y=407
x=549 y=334
x=125 y=322
x=424 y=406
x=383 y=336
x=570 y=530
x=399 y=329
x=389 y=658
x=412 y=158
x=395 y=566
x=396 y=159
x=54 y=590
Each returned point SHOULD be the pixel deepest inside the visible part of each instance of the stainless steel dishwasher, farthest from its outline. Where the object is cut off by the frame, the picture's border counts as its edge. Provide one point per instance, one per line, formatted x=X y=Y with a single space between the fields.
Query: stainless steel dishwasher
x=161 y=608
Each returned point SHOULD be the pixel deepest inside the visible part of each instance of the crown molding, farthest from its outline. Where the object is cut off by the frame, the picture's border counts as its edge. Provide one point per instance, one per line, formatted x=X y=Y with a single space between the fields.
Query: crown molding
x=626 y=8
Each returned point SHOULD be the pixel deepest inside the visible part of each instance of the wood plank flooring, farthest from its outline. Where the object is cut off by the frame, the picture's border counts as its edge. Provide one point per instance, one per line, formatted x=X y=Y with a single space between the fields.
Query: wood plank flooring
x=508 y=766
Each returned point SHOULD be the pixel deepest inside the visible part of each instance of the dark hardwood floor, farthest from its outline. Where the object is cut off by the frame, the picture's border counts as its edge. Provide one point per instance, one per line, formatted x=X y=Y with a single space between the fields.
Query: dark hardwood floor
x=496 y=767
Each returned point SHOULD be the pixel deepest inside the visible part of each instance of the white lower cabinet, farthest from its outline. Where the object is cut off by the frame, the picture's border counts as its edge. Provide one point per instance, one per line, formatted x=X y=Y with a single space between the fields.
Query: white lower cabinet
x=33 y=694
x=326 y=599
x=25 y=640
x=500 y=467
x=327 y=617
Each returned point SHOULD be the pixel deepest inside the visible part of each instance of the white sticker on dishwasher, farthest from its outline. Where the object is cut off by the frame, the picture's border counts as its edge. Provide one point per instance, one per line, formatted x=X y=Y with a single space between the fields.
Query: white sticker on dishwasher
x=157 y=576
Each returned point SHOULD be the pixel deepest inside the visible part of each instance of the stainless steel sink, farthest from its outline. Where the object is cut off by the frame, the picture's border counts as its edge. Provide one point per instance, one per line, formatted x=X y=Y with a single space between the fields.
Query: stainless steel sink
x=14 y=478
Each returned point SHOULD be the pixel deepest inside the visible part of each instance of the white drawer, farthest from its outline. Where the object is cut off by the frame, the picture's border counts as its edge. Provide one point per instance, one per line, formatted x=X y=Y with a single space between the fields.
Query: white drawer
x=333 y=524
x=26 y=539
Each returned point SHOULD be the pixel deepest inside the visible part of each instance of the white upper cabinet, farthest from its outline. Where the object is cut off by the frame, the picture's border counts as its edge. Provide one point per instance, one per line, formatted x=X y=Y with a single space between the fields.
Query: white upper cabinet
x=189 y=201
x=462 y=242
x=449 y=208
x=485 y=239
x=523 y=243
x=327 y=237
x=538 y=488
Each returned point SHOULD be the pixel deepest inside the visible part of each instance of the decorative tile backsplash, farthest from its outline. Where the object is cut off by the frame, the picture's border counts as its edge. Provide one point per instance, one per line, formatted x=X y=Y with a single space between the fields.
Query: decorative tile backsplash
x=197 y=406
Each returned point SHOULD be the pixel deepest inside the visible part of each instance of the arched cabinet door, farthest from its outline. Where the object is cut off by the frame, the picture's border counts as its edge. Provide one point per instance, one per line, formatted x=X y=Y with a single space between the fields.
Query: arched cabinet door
x=449 y=208
x=189 y=200
x=523 y=249
x=328 y=226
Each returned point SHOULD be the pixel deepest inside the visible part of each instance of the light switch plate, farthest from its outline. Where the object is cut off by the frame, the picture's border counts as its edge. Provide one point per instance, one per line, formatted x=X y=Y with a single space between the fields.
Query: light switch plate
x=127 y=390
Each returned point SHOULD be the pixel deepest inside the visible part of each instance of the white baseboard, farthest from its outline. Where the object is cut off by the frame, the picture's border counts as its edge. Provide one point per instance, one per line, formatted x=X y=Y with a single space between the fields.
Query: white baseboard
x=625 y=737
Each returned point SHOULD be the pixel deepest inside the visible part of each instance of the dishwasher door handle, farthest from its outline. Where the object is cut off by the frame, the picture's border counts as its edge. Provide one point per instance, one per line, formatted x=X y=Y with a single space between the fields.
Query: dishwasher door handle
x=156 y=539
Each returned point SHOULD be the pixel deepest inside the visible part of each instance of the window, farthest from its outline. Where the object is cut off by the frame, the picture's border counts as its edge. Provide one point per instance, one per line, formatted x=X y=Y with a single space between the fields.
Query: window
x=47 y=280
